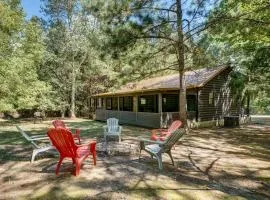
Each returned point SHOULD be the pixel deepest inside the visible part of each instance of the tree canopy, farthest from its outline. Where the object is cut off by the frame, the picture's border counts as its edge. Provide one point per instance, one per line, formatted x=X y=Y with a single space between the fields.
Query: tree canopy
x=86 y=47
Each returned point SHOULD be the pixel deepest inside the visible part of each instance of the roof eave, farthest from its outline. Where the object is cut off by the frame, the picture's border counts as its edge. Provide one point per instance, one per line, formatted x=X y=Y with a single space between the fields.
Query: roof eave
x=164 y=89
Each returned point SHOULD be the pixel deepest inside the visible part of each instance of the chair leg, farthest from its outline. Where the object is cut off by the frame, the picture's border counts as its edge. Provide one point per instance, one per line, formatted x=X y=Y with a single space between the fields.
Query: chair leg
x=35 y=152
x=119 y=138
x=95 y=158
x=59 y=165
x=140 y=154
x=79 y=140
x=73 y=160
x=78 y=167
x=170 y=154
x=160 y=165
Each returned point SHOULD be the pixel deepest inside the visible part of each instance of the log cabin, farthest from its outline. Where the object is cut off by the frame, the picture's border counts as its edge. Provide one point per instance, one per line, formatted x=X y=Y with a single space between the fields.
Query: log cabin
x=154 y=102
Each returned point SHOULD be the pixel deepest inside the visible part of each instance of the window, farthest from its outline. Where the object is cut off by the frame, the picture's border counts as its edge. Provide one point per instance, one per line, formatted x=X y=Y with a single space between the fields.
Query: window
x=191 y=103
x=115 y=103
x=170 y=103
x=108 y=103
x=126 y=103
x=95 y=102
x=121 y=103
x=211 y=98
x=143 y=101
x=148 y=103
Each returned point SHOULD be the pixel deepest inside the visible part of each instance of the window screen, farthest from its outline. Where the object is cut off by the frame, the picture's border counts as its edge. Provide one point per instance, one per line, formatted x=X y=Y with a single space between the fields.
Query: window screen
x=103 y=102
x=126 y=103
x=115 y=103
x=170 y=103
x=191 y=103
x=109 y=103
x=148 y=103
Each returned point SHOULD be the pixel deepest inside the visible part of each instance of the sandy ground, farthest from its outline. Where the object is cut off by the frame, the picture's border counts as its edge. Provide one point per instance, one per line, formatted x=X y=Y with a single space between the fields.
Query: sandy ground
x=210 y=164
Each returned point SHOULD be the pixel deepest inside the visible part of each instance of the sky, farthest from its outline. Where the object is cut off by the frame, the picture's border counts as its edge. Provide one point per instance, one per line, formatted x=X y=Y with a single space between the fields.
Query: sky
x=31 y=8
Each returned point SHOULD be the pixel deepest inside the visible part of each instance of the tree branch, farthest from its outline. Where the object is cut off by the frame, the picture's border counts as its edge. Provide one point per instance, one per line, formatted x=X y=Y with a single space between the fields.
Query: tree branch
x=160 y=24
x=212 y=22
x=154 y=37
x=159 y=9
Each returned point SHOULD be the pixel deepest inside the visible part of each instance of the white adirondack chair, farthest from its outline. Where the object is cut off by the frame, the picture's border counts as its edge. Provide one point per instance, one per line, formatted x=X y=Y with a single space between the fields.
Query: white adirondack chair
x=33 y=140
x=112 y=129
x=157 y=148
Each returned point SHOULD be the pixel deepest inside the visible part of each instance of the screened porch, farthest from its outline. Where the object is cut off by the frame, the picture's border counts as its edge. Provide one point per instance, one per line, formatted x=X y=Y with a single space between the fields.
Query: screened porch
x=148 y=110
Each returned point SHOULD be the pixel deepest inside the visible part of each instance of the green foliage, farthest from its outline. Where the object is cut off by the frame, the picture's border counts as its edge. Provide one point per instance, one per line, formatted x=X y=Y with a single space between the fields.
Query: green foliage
x=72 y=64
x=86 y=47
x=243 y=38
x=21 y=51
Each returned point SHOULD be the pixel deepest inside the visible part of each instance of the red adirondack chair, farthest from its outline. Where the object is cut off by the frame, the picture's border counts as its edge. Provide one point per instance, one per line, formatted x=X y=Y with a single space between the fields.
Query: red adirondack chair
x=61 y=124
x=64 y=143
x=164 y=133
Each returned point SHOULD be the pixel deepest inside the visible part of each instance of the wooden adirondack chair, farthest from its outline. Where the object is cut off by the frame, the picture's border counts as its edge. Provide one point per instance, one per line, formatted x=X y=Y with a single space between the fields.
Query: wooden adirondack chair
x=112 y=128
x=62 y=139
x=157 y=148
x=164 y=133
x=34 y=140
x=61 y=124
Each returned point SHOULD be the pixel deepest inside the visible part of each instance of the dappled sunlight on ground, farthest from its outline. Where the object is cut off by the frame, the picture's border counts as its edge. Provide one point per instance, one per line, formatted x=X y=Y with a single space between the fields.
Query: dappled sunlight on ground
x=210 y=164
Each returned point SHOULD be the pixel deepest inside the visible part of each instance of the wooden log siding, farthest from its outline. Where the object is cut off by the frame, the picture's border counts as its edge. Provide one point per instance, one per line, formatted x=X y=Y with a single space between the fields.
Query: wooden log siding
x=222 y=99
x=145 y=119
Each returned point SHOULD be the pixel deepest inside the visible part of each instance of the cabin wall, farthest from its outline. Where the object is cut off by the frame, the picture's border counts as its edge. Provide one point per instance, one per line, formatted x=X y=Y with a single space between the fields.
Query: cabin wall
x=144 y=119
x=216 y=100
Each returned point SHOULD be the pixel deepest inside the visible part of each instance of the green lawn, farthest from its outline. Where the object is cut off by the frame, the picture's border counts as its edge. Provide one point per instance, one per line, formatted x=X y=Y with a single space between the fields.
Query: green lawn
x=210 y=164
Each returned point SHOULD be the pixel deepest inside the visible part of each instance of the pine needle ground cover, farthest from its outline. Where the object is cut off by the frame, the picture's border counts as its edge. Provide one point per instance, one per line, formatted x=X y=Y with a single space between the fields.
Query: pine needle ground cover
x=213 y=163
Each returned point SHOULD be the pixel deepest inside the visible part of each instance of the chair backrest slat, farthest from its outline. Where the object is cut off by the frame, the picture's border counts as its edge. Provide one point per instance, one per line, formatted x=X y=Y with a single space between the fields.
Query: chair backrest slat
x=24 y=134
x=112 y=124
x=173 y=138
x=59 y=124
x=174 y=126
x=62 y=139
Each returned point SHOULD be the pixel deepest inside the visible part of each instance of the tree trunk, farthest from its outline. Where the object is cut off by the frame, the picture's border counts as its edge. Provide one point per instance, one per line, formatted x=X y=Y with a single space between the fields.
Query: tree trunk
x=181 y=65
x=73 y=93
x=62 y=114
x=248 y=104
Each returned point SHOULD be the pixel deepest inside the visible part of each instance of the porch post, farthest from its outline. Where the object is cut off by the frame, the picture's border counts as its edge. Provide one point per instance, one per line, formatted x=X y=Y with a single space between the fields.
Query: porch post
x=160 y=109
x=135 y=106
x=135 y=103
x=118 y=108
x=105 y=108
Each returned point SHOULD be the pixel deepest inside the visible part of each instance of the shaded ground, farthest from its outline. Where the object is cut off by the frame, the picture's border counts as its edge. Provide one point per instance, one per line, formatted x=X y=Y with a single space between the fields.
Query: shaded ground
x=210 y=164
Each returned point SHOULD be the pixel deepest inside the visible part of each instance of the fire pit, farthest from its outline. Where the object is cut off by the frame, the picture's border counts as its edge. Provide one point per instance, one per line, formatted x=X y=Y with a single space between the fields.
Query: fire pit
x=127 y=147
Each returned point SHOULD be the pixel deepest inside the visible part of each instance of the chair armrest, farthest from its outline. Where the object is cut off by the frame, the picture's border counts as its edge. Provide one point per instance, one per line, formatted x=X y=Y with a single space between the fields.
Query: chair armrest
x=92 y=146
x=150 y=141
x=40 y=138
x=158 y=130
x=120 y=129
x=77 y=131
x=105 y=128
x=87 y=144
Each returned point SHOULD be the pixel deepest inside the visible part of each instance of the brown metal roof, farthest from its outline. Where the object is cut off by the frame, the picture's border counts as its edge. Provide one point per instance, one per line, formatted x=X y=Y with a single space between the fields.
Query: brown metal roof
x=193 y=79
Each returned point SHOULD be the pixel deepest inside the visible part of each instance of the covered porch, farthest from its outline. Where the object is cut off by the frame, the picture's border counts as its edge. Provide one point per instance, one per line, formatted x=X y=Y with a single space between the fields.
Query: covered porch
x=153 y=110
